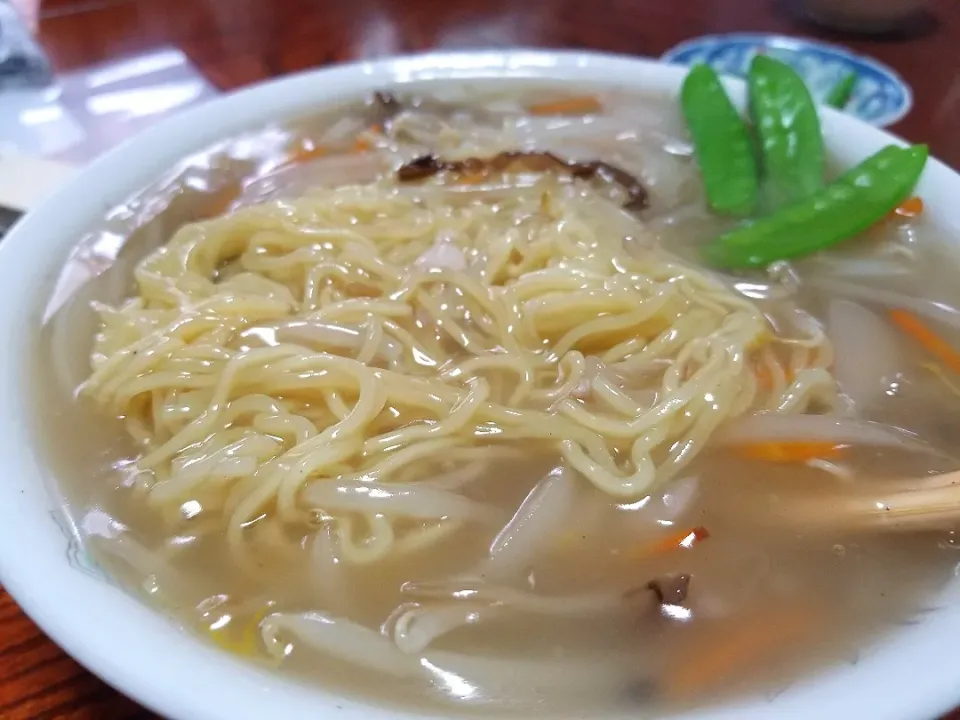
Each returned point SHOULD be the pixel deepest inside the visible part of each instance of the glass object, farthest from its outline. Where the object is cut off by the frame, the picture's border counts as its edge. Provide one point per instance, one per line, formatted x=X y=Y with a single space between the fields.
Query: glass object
x=22 y=63
x=82 y=113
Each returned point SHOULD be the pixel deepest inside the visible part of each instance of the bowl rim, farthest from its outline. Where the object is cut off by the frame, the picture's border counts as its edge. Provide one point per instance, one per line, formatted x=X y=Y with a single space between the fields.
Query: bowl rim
x=176 y=675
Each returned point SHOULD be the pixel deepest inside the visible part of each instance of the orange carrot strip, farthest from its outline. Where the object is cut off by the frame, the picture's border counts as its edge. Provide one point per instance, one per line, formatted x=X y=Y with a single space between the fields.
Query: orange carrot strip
x=221 y=200
x=790 y=451
x=766 y=365
x=362 y=144
x=750 y=641
x=683 y=539
x=764 y=377
x=909 y=208
x=927 y=338
x=579 y=105
x=305 y=151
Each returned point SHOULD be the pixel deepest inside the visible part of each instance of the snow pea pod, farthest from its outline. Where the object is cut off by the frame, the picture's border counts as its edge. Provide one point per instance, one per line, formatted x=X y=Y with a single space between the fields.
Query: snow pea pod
x=852 y=203
x=721 y=143
x=840 y=94
x=788 y=127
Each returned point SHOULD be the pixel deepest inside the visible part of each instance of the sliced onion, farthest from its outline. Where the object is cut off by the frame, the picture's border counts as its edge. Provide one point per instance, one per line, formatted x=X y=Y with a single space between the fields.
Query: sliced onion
x=929 y=309
x=758 y=290
x=160 y=574
x=339 y=638
x=443 y=254
x=473 y=591
x=793 y=323
x=678 y=499
x=458 y=478
x=343 y=130
x=868 y=356
x=415 y=627
x=643 y=519
x=526 y=680
x=361 y=646
x=291 y=181
x=412 y=500
x=856 y=267
x=763 y=427
x=537 y=522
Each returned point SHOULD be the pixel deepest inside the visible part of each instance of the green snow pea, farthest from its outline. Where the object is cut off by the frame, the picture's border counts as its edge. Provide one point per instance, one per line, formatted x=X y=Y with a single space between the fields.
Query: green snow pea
x=788 y=128
x=721 y=142
x=840 y=94
x=852 y=203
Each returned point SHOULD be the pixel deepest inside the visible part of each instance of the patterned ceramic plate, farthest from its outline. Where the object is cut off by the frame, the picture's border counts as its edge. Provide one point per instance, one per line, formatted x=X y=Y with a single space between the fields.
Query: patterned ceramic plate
x=881 y=96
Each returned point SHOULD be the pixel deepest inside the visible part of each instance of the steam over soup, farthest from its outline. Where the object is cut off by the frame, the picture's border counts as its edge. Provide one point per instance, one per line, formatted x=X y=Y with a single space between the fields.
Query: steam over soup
x=440 y=400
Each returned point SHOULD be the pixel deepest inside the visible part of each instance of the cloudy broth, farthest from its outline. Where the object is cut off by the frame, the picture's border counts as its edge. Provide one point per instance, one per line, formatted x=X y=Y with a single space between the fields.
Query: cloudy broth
x=574 y=630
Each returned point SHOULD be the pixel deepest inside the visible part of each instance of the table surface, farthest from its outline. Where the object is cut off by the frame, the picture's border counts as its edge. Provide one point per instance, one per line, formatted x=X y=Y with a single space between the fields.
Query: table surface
x=236 y=42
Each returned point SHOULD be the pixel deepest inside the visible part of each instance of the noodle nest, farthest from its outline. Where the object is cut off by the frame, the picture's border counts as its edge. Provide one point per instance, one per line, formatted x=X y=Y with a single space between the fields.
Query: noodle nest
x=292 y=359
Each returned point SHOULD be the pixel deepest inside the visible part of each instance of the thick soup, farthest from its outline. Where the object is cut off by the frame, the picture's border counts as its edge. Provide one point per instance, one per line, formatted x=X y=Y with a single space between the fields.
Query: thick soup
x=433 y=399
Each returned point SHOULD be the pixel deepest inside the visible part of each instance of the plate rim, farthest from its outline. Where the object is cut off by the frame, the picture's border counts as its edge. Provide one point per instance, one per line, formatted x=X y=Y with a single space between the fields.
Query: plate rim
x=796 y=42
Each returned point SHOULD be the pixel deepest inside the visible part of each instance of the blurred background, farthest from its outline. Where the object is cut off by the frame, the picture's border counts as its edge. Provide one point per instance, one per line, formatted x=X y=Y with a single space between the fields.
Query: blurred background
x=79 y=76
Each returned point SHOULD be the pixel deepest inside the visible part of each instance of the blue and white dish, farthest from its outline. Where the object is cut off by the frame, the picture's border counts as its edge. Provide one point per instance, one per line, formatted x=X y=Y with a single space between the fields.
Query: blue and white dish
x=881 y=97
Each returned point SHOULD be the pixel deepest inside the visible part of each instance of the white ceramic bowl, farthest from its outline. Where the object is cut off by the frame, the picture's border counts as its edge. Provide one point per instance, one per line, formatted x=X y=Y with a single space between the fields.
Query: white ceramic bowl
x=912 y=675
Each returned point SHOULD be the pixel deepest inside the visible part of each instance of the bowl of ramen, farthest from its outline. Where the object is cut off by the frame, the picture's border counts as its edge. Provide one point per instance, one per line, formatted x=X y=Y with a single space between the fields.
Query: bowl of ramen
x=503 y=383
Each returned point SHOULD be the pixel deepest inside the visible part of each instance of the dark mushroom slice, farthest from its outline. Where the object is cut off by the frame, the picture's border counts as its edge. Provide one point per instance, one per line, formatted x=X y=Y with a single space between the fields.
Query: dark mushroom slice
x=667 y=589
x=419 y=169
x=516 y=161
x=385 y=106
x=663 y=590
x=670 y=589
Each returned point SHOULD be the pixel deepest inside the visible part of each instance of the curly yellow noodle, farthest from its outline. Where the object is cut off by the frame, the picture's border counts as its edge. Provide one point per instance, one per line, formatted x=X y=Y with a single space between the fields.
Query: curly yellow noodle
x=321 y=338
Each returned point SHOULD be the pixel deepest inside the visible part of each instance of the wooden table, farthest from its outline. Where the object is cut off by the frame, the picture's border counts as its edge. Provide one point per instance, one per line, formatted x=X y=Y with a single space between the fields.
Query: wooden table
x=236 y=42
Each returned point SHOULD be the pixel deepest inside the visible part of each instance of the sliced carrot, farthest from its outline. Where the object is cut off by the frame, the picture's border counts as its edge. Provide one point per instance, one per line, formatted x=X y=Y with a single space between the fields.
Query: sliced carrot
x=579 y=105
x=909 y=208
x=927 y=338
x=684 y=539
x=305 y=151
x=765 y=362
x=738 y=646
x=361 y=144
x=790 y=451
x=764 y=377
x=220 y=201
